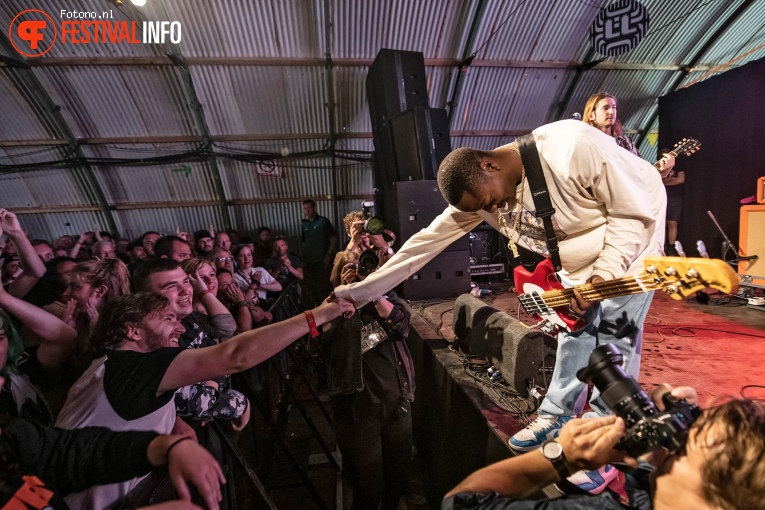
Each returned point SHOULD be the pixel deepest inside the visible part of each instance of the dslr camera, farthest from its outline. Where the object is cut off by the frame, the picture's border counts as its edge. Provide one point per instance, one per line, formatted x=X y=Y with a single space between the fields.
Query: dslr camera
x=372 y=224
x=647 y=427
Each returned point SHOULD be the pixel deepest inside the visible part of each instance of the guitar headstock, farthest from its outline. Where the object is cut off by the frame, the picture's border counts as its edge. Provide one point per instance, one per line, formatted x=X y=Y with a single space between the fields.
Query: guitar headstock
x=680 y=277
x=686 y=146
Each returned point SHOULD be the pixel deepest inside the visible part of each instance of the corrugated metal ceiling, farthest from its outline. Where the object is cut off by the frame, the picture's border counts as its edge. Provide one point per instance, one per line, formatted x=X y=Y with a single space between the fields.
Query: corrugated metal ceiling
x=259 y=73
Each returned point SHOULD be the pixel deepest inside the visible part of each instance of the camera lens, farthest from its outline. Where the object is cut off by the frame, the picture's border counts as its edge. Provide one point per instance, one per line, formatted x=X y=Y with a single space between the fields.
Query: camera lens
x=621 y=393
x=368 y=262
x=374 y=225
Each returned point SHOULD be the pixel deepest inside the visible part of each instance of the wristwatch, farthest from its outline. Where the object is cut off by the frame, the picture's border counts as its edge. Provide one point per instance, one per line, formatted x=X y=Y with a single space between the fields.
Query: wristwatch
x=553 y=451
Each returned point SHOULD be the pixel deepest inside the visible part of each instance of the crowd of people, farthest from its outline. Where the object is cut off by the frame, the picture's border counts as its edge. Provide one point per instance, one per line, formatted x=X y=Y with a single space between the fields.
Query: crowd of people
x=138 y=335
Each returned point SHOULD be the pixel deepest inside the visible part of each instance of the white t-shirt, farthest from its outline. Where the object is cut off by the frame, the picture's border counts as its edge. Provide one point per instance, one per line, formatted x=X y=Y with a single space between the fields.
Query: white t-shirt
x=118 y=392
x=244 y=281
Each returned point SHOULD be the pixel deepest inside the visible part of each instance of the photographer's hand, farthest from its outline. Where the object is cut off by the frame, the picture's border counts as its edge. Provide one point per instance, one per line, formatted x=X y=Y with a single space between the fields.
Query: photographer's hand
x=684 y=392
x=589 y=443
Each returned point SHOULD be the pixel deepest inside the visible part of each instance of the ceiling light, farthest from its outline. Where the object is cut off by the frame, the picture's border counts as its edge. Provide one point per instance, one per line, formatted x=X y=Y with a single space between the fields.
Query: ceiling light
x=139 y=3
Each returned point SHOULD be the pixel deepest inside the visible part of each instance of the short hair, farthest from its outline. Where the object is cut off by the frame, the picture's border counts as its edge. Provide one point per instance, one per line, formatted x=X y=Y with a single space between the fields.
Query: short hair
x=263 y=229
x=309 y=201
x=52 y=264
x=113 y=273
x=140 y=239
x=148 y=268
x=235 y=250
x=134 y=244
x=733 y=476
x=193 y=264
x=460 y=172
x=591 y=106
x=103 y=242
x=164 y=246
x=280 y=238
x=350 y=219
x=116 y=318
x=38 y=242
x=223 y=270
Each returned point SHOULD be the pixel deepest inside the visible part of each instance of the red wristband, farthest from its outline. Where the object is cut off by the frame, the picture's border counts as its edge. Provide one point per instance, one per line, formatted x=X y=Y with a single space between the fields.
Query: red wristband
x=203 y=294
x=311 y=323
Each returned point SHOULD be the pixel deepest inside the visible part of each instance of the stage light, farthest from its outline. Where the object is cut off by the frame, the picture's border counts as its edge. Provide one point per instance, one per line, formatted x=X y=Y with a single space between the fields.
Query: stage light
x=139 y=3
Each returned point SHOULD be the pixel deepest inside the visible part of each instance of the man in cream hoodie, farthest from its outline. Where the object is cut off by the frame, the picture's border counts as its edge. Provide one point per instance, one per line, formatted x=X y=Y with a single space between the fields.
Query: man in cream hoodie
x=609 y=215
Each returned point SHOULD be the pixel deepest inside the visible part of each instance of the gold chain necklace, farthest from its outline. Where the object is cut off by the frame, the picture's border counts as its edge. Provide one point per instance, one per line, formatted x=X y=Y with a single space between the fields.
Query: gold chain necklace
x=501 y=217
x=503 y=223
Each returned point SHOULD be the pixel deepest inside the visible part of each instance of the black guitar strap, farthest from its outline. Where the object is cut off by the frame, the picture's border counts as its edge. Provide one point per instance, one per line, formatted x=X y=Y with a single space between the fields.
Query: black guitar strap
x=545 y=210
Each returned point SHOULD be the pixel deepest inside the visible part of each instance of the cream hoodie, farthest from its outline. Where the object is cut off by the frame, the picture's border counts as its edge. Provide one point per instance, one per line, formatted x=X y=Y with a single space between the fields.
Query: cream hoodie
x=609 y=205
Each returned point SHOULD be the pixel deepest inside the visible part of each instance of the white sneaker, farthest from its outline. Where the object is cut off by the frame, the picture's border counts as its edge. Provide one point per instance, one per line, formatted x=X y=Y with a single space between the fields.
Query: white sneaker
x=596 y=480
x=537 y=432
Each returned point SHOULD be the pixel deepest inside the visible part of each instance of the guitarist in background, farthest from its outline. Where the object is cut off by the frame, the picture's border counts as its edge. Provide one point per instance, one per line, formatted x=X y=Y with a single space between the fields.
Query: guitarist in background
x=610 y=208
x=600 y=112
x=673 y=182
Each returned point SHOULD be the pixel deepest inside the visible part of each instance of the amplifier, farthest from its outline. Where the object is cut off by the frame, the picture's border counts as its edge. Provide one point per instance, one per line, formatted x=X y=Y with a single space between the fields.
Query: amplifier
x=487 y=269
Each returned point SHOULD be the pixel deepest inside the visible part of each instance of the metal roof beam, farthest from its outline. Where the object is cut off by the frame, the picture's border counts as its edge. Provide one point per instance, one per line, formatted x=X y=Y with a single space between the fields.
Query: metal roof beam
x=49 y=114
x=236 y=138
x=339 y=62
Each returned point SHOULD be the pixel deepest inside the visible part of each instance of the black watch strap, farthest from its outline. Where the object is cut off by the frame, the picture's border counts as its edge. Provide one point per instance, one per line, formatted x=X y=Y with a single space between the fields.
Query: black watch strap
x=558 y=461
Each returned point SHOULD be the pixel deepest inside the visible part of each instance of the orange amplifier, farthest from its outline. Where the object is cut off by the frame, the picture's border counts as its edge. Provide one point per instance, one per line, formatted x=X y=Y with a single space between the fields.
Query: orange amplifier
x=761 y=190
x=751 y=239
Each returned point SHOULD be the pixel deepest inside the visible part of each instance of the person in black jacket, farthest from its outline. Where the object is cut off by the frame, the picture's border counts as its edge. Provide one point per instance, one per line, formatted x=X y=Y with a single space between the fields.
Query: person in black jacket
x=40 y=465
x=373 y=385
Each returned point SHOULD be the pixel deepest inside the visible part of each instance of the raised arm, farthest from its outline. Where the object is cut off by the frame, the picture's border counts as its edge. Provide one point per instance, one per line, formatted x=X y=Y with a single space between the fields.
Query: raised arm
x=244 y=350
x=57 y=337
x=420 y=249
x=34 y=268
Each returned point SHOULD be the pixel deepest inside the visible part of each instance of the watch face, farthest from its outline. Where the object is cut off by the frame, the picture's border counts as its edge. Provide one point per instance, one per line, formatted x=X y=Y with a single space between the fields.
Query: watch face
x=552 y=450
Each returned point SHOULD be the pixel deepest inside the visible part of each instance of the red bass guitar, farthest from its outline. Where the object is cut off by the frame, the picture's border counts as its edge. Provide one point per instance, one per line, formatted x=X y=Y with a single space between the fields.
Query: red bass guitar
x=544 y=298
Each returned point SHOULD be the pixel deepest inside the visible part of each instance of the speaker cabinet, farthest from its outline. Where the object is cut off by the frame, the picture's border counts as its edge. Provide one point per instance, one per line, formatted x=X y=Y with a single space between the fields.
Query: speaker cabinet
x=396 y=82
x=751 y=239
x=420 y=142
x=411 y=206
x=411 y=145
x=446 y=276
x=516 y=350
x=481 y=247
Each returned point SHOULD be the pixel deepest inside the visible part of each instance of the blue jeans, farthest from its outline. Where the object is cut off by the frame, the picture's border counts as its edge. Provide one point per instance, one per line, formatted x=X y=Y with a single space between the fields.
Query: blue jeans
x=618 y=321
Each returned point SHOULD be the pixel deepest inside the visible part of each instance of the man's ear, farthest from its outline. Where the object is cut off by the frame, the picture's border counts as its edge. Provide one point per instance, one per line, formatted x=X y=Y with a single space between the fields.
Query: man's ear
x=134 y=333
x=489 y=165
x=592 y=117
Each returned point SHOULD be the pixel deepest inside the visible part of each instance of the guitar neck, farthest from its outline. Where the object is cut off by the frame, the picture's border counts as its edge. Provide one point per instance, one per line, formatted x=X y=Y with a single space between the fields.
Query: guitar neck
x=658 y=163
x=602 y=290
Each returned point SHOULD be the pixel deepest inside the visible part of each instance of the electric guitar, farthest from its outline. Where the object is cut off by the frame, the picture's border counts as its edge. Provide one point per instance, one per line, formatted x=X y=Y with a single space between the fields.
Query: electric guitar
x=685 y=146
x=544 y=298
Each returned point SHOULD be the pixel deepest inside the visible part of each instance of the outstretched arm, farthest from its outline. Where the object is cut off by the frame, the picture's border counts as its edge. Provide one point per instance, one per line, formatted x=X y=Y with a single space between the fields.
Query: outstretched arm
x=244 y=350
x=420 y=249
